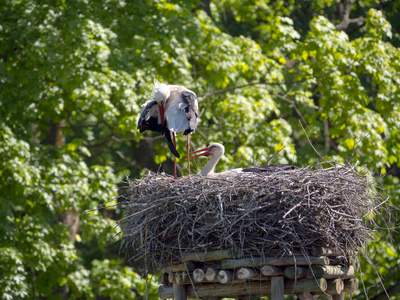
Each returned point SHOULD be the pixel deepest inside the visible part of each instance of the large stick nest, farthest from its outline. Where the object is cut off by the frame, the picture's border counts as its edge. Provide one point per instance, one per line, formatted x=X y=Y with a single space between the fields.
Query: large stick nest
x=271 y=214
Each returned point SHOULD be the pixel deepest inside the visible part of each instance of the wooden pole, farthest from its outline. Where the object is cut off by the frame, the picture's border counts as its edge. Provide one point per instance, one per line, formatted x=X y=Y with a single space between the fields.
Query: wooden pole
x=330 y=272
x=272 y=270
x=275 y=261
x=199 y=275
x=249 y=274
x=226 y=276
x=277 y=288
x=294 y=272
x=334 y=287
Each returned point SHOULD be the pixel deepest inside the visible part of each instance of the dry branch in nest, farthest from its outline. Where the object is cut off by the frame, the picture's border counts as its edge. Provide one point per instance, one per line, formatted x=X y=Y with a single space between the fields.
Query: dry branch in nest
x=259 y=214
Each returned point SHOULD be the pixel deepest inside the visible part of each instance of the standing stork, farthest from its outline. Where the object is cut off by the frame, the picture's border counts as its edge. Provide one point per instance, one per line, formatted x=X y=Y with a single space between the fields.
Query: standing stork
x=173 y=109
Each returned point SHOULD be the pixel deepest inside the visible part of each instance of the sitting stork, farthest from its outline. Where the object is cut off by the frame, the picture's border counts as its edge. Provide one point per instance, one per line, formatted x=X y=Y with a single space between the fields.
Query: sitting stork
x=173 y=109
x=217 y=150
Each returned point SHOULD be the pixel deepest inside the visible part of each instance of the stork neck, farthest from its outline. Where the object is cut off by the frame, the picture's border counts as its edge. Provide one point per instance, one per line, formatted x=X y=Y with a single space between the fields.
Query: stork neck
x=210 y=165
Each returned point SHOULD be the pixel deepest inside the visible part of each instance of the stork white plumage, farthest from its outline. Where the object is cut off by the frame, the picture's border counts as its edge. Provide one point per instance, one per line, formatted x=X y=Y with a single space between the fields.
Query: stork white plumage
x=217 y=150
x=173 y=109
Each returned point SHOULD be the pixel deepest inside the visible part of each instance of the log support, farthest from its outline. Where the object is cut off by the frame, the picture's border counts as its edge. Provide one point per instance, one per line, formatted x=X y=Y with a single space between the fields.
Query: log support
x=243 y=278
x=277 y=288
x=274 y=261
x=268 y=270
x=330 y=272
x=249 y=288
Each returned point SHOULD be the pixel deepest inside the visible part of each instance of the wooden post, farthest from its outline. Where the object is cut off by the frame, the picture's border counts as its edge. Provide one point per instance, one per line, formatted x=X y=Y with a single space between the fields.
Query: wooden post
x=179 y=292
x=277 y=288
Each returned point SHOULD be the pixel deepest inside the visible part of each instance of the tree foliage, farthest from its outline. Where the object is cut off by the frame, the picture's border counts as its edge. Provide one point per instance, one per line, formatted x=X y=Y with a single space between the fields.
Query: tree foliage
x=74 y=74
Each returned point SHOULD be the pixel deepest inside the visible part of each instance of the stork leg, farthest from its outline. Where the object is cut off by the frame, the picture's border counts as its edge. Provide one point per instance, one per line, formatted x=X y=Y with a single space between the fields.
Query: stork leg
x=173 y=136
x=187 y=149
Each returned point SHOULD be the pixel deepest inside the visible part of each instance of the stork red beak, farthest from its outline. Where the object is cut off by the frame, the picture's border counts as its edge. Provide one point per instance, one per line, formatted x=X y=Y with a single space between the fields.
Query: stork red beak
x=161 y=108
x=206 y=152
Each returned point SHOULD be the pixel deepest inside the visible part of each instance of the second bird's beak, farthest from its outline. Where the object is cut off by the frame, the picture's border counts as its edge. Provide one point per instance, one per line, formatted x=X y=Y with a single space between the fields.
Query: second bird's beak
x=206 y=152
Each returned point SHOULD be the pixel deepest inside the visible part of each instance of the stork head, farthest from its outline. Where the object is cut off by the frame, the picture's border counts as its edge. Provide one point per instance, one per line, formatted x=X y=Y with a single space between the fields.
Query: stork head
x=214 y=149
x=161 y=92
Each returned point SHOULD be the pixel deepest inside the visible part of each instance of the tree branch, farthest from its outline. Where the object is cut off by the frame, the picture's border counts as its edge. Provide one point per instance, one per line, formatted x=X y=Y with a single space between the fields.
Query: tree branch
x=345 y=9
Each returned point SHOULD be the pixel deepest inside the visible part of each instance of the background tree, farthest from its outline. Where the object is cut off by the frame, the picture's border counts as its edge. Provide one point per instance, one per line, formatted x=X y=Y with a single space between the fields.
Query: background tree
x=74 y=74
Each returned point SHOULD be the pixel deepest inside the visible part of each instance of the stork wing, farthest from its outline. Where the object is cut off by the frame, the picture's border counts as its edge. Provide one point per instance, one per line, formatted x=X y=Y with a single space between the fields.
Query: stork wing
x=191 y=110
x=181 y=110
x=150 y=118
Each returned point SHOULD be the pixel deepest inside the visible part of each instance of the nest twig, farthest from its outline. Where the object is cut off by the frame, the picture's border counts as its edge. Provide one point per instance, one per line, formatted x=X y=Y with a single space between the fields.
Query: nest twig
x=272 y=214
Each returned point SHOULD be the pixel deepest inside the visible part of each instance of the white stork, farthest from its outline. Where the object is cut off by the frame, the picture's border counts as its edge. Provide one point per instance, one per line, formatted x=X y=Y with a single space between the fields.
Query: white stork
x=217 y=150
x=173 y=109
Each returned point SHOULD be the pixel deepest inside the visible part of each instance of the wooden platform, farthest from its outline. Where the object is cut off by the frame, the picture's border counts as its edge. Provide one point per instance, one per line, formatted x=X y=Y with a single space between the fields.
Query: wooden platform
x=219 y=274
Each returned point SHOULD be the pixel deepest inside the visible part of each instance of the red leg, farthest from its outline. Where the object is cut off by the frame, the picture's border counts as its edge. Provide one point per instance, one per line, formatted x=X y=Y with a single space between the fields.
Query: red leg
x=187 y=149
x=173 y=136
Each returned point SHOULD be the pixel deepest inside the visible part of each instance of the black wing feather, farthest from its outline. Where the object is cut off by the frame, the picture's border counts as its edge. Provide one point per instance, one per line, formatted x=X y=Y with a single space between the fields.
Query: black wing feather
x=171 y=146
x=191 y=110
x=147 y=121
